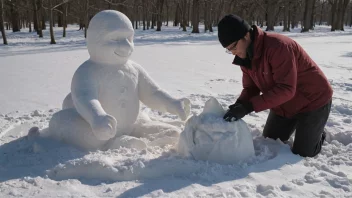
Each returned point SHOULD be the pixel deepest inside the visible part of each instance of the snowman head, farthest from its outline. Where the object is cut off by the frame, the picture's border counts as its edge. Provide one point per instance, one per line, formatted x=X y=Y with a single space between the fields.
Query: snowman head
x=110 y=37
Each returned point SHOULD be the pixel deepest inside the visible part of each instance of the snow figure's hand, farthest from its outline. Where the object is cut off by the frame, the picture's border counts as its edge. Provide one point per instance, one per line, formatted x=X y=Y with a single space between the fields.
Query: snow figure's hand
x=104 y=127
x=183 y=108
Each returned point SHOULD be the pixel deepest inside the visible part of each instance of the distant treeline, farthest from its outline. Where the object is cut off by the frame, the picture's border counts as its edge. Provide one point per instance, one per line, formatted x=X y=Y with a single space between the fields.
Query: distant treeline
x=153 y=14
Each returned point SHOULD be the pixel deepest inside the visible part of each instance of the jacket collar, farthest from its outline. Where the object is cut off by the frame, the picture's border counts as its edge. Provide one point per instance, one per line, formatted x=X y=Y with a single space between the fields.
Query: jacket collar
x=258 y=41
x=254 y=50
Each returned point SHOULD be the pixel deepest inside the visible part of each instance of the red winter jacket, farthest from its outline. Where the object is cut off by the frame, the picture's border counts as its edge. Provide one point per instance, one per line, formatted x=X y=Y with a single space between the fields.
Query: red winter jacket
x=289 y=80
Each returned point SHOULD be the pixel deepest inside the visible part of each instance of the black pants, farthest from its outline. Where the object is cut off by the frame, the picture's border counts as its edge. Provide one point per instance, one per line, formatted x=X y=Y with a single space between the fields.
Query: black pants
x=309 y=128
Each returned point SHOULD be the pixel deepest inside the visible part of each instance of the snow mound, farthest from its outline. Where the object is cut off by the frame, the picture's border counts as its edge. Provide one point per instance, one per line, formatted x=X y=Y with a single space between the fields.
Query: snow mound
x=208 y=137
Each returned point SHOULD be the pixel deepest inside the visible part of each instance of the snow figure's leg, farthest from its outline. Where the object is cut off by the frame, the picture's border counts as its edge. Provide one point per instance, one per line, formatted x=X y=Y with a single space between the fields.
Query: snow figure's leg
x=127 y=142
x=158 y=133
x=68 y=126
x=68 y=102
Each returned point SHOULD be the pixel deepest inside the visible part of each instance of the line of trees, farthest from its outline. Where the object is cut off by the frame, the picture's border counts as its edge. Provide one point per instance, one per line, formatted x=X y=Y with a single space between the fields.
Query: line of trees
x=151 y=14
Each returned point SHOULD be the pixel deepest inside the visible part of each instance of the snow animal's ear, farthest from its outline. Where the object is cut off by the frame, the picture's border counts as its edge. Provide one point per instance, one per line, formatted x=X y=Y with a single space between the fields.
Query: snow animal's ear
x=212 y=106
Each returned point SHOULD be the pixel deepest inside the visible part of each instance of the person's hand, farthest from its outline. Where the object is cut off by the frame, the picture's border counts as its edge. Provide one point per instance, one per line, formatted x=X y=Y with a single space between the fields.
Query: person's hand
x=238 y=111
x=104 y=127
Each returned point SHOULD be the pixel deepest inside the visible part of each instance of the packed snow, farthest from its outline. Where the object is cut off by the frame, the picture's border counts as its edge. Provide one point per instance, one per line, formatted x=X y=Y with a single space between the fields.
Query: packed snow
x=35 y=78
x=102 y=110
x=209 y=137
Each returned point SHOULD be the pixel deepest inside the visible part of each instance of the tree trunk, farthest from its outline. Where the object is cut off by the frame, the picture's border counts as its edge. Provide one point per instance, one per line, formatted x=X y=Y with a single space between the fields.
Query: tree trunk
x=29 y=17
x=39 y=28
x=220 y=9
x=195 y=13
x=293 y=14
x=64 y=20
x=35 y=18
x=43 y=19
x=86 y=19
x=189 y=13
x=351 y=18
x=4 y=39
x=344 y=4
x=321 y=12
x=160 y=5
x=206 y=16
x=177 y=15
x=312 y=16
x=210 y=17
x=333 y=14
x=307 y=15
x=338 y=14
x=153 y=20
x=51 y=21
x=14 y=17
x=184 y=15
x=286 y=16
x=60 y=16
x=167 y=12
x=271 y=11
x=135 y=14
x=41 y=15
x=148 y=20
x=144 y=13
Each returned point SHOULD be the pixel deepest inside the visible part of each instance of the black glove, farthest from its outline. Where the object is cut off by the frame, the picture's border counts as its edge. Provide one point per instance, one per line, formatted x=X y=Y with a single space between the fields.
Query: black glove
x=238 y=111
x=238 y=102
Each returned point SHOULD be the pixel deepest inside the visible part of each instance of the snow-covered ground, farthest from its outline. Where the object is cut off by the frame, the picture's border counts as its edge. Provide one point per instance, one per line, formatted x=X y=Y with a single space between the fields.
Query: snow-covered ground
x=35 y=77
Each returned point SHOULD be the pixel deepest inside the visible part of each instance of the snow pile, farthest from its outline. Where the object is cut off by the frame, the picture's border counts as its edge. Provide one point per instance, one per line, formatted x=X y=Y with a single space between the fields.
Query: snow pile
x=208 y=137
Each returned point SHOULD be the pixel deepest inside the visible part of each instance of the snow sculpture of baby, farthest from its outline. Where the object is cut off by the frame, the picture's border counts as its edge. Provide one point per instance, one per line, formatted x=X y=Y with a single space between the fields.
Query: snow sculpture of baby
x=208 y=137
x=102 y=109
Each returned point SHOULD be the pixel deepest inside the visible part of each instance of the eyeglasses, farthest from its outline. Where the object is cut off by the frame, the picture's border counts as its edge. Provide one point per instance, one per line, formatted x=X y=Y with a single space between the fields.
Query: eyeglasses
x=229 y=50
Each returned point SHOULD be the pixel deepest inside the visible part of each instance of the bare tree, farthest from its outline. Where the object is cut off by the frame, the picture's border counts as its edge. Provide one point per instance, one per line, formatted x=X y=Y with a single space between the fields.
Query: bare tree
x=177 y=14
x=86 y=20
x=338 y=10
x=36 y=19
x=29 y=17
x=167 y=5
x=195 y=18
x=321 y=12
x=159 y=8
x=51 y=20
x=14 y=16
x=2 y=22
x=312 y=15
x=184 y=15
x=286 y=16
x=307 y=15
x=144 y=13
x=351 y=17
x=344 y=5
x=208 y=16
x=64 y=20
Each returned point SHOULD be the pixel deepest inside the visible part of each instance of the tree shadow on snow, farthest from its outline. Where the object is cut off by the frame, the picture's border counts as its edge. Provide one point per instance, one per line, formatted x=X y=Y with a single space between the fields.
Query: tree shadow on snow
x=270 y=155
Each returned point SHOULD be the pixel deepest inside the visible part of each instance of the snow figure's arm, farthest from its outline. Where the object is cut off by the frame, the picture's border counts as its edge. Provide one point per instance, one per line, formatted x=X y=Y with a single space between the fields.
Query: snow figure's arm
x=156 y=98
x=85 y=99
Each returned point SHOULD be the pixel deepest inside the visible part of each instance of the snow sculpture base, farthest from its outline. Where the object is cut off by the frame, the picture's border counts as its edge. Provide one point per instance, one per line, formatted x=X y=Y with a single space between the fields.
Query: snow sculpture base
x=208 y=137
x=69 y=127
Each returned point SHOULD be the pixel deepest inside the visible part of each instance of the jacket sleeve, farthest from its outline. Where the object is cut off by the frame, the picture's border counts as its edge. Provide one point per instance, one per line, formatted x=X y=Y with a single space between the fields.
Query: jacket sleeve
x=283 y=66
x=249 y=88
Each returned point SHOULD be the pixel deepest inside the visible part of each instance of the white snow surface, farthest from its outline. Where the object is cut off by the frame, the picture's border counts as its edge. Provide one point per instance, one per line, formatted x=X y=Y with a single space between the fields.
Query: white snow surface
x=35 y=78
x=209 y=137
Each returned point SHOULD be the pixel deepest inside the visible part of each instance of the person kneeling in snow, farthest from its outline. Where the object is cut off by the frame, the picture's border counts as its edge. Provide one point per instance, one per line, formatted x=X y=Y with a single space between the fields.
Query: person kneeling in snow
x=292 y=85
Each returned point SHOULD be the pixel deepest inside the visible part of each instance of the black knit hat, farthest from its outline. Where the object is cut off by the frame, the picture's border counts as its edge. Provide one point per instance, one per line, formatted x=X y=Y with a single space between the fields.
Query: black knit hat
x=232 y=28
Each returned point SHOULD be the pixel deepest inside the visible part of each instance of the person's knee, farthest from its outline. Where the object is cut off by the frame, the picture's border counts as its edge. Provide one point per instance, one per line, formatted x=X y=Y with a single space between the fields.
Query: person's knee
x=276 y=136
x=306 y=152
